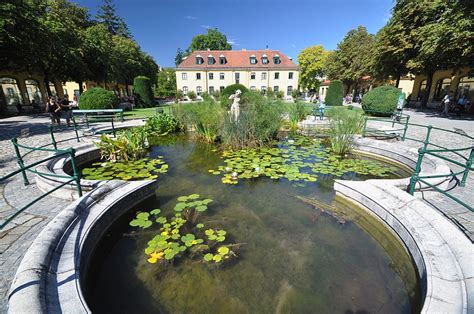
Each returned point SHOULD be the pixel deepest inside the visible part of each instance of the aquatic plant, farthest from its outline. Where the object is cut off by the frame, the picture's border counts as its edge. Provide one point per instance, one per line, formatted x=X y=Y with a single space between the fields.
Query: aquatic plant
x=143 y=169
x=344 y=125
x=298 y=159
x=130 y=144
x=161 y=124
x=179 y=234
x=205 y=117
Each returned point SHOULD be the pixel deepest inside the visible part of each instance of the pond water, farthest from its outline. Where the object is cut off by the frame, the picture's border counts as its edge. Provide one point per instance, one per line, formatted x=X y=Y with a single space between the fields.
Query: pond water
x=299 y=249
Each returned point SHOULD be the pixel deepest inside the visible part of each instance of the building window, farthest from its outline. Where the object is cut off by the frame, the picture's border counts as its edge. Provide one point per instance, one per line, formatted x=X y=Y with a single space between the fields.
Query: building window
x=210 y=60
x=184 y=76
x=275 y=89
x=198 y=90
x=252 y=76
x=185 y=90
x=211 y=76
x=222 y=59
x=289 y=90
x=276 y=59
x=252 y=88
x=221 y=76
x=11 y=91
x=199 y=60
x=34 y=93
x=237 y=78
x=253 y=59
x=277 y=75
x=263 y=90
x=221 y=88
x=264 y=59
x=264 y=76
x=290 y=75
x=466 y=88
x=211 y=90
x=198 y=76
x=442 y=89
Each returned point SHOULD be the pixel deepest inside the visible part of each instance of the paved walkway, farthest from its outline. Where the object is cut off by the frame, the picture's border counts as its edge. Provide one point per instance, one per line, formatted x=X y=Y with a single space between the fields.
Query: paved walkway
x=15 y=240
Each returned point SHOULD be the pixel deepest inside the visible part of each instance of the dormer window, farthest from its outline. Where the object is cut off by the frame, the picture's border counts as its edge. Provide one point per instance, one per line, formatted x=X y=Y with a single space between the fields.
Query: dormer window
x=222 y=59
x=199 y=59
x=210 y=59
x=276 y=59
x=264 y=59
x=253 y=59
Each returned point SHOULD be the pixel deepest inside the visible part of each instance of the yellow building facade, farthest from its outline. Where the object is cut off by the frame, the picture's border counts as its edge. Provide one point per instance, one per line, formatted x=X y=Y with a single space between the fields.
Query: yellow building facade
x=459 y=82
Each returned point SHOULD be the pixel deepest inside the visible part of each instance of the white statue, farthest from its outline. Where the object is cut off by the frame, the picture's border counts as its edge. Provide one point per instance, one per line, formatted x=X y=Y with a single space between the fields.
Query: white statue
x=235 y=107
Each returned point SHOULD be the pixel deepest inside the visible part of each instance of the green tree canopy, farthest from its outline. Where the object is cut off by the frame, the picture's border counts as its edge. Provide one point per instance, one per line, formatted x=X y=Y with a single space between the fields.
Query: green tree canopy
x=311 y=61
x=352 y=58
x=166 y=83
x=107 y=15
x=213 y=40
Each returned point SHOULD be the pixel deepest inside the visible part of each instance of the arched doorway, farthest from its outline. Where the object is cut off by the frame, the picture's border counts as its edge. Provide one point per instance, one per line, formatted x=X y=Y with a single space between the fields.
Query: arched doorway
x=442 y=89
x=33 y=90
x=11 y=91
x=421 y=90
x=465 y=87
x=52 y=88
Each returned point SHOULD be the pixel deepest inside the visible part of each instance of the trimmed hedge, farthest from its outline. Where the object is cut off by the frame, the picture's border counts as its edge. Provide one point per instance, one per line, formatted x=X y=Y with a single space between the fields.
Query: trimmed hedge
x=381 y=101
x=142 y=88
x=229 y=90
x=334 y=94
x=97 y=98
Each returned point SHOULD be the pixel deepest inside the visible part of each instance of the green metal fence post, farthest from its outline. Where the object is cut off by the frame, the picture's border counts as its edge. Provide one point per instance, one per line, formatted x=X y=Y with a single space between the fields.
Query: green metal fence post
x=427 y=138
x=416 y=173
x=121 y=115
x=20 y=162
x=406 y=128
x=87 y=120
x=113 y=126
x=53 y=140
x=75 y=172
x=468 y=166
x=75 y=128
x=365 y=126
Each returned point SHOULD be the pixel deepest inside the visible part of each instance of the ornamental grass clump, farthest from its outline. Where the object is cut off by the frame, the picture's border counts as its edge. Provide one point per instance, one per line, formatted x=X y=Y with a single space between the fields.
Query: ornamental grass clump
x=343 y=126
x=205 y=117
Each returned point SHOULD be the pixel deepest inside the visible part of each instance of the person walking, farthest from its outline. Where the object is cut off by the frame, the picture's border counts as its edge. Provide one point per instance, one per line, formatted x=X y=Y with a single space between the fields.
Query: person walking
x=447 y=102
x=54 y=111
x=66 y=109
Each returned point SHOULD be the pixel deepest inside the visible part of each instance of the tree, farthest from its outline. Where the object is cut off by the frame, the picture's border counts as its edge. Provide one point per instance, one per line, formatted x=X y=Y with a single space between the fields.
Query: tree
x=352 y=58
x=180 y=55
x=166 y=83
x=334 y=94
x=213 y=40
x=434 y=35
x=97 y=52
x=311 y=61
x=107 y=15
x=142 y=89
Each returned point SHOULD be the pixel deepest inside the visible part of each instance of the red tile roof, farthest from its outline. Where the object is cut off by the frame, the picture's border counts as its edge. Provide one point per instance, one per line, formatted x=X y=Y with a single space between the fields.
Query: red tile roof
x=237 y=59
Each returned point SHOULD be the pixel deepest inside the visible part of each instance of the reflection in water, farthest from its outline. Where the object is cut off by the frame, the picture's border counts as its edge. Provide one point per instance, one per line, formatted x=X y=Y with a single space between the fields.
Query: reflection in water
x=303 y=251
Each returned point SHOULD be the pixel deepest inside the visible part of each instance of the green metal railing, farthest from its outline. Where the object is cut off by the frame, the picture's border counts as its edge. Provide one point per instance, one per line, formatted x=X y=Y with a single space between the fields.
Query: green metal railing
x=400 y=127
x=24 y=168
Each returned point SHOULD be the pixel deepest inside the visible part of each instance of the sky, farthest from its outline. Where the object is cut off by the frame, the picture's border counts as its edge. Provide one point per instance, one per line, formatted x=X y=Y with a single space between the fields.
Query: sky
x=163 y=26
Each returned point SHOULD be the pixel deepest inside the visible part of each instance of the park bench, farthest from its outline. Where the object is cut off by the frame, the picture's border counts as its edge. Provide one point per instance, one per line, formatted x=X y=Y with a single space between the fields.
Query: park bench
x=99 y=115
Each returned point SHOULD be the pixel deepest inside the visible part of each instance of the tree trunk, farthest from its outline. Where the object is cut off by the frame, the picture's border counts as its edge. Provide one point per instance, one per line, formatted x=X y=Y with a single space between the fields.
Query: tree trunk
x=126 y=89
x=46 y=85
x=398 y=80
x=429 y=82
x=81 y=88
x=3 y=104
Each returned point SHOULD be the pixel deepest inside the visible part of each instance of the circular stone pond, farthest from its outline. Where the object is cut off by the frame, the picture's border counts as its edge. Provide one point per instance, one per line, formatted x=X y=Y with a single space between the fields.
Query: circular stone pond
x=229 y=238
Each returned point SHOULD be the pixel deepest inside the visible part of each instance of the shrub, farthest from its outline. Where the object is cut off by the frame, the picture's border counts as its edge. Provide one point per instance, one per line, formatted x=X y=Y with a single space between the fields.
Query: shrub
x=179 y=95
x=142 y=89
x=334 y=94
x=192 y=95
x=280 y=95
x=161 y=124
x=216 y=95
x=343 y=124
x=206 y=96
x=270 y=93
x=97 y=98
x=229 y=90
x=131 y=144
x=381 y=101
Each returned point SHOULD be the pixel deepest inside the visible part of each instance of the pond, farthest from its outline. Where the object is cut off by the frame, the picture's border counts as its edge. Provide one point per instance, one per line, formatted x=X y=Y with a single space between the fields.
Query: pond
x=298 y=248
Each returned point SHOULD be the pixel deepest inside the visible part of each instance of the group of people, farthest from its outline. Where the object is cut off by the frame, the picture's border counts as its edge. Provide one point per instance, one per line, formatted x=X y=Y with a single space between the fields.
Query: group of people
x=449 y=104
x=57 y=108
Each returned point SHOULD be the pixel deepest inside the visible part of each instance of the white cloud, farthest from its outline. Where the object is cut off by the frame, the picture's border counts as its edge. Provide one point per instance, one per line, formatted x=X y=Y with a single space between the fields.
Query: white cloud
x=293 y=45
x=206 y=26
x=189 y=17
x=233 y=42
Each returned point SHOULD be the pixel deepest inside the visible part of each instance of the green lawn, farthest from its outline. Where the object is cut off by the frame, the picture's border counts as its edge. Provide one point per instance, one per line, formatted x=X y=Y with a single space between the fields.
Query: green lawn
x=145 y=112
